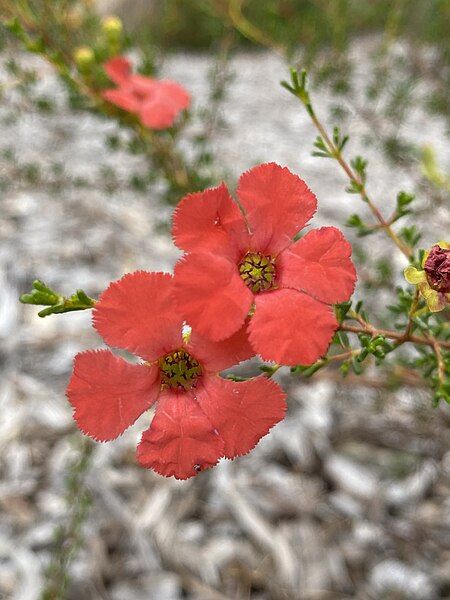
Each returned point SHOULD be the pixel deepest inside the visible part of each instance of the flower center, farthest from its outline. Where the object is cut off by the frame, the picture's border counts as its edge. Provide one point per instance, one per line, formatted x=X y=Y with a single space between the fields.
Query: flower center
x=437 y=269
x=258 y=271
x=179 y=370
x=139 y=95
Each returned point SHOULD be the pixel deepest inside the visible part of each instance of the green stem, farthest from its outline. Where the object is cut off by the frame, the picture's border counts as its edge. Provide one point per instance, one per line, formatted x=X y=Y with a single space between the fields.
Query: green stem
x=336 y=153
x=68 y=537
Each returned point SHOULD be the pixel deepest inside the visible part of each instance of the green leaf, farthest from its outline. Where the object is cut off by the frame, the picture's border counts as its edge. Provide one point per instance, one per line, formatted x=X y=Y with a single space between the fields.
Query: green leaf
x=356 y=366
x=341 y=310
x=356 y=222
x=359 y=164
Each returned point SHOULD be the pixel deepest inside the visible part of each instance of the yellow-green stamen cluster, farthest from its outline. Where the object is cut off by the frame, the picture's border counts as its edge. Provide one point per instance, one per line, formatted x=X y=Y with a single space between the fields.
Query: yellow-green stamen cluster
x=258 y=272
x=179 y=370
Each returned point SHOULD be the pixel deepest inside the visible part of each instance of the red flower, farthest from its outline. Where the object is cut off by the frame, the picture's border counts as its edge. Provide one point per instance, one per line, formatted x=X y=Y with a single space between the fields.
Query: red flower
x=157 y=103
x=199 y=417
x=244 y=256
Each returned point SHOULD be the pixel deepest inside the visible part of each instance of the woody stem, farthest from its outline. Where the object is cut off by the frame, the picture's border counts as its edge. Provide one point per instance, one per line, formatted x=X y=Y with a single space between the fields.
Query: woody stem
x=395 y=335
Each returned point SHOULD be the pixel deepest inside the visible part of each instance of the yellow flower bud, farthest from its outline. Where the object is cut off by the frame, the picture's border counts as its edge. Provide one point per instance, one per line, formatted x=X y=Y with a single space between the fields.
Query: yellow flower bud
x=84 y=57
x=112 y=27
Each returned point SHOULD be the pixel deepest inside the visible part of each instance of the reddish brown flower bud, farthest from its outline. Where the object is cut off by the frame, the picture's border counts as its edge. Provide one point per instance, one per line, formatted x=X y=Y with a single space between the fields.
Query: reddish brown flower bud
x=437 y=269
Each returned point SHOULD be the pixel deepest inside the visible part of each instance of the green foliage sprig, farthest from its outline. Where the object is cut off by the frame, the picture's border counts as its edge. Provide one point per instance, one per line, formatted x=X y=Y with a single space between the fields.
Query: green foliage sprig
x=43 y=295
x=411 y=313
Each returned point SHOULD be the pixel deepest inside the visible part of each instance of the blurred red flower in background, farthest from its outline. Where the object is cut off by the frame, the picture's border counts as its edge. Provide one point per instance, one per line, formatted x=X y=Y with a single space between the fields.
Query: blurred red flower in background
x=156 y=102
x=244 y=256
x=200 y=417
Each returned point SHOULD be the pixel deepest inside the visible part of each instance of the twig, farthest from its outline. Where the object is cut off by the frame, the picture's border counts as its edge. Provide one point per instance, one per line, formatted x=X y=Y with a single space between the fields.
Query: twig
x=249 y=30
x=395 y=335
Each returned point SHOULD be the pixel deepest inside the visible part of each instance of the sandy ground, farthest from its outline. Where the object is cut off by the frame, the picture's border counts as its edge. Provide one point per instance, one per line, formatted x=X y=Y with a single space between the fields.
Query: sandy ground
x=347 y=498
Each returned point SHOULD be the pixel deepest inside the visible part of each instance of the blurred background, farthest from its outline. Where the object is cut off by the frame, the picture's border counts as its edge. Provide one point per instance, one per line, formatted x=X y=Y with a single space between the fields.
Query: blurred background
x=349 y=496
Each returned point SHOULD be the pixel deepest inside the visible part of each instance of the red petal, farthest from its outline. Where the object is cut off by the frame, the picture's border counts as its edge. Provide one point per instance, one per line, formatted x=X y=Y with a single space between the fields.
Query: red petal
x=122 y=98
x=216 y=356
x=277 y=203
x=211 y=295
x=109 y=394
x=181 y=441
x=118 y=69
x=163 y=104
x=291 y=328
x=163 y=90
x=242 y=412
x=175 y=93
x=320 y=264
x=138 y=313
x=144 y=86
x=210 y=221
x=156 y=115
